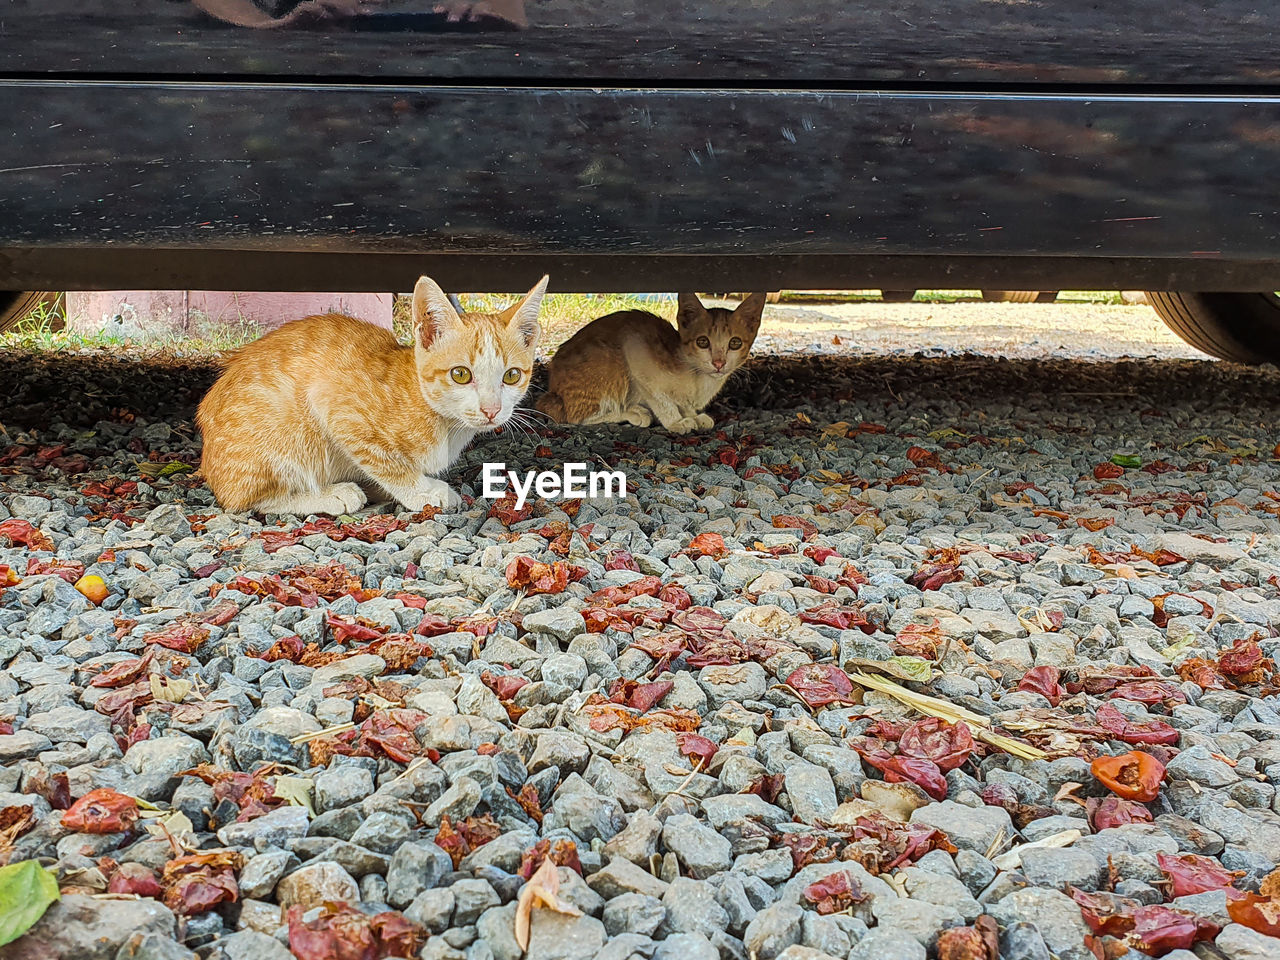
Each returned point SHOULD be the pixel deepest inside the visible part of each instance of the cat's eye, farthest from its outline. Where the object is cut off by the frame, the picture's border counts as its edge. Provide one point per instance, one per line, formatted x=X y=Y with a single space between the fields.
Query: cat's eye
x=703 y=342
x=511 y=377
x=460 y=375
x=735 y=343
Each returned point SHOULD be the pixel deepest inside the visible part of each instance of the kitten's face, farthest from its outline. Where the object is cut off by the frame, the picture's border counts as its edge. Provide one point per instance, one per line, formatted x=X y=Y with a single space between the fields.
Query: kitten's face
x=717 y=341
x=474 y=367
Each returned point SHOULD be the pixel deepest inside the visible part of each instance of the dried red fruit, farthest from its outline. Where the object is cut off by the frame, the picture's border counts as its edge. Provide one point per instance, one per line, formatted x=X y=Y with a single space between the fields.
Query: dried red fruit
x=696 y=747
x=342 y=932
x=947 y=745
x=1157 y=930
x=1189 y=873
x=835 y=892
x=1108 y=471
x=1131 y=776
x=1150 y=692
x=197 y=883
x=563 y=853
x=934 y=576
x=639 y=696
x=787 y=521
x=134 y=878
x=979 y=942
x=919 y=640
x=1121 y=728
x=821 y=684
x=101 y=811
x=22 y=533
x=470 y=834
x=1244 y=662
x=68 y=570
x=1106 y=914
x=506 y=686
x=534 y=576
x=1044 y=681
x=1259 y=911
x=767 y=786
x=707 y=545
x=819 y=554
x=840 y=616
x=1108 y=812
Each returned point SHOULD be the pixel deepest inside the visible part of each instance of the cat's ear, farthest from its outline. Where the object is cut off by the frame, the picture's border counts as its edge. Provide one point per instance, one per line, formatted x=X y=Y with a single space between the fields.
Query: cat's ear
x=522 y=318
x=689 y=308
x=750 y=310
x=433 y=312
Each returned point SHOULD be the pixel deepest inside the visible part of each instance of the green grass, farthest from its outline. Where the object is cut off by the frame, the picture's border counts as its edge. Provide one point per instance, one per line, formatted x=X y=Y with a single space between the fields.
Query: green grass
x=44 y=330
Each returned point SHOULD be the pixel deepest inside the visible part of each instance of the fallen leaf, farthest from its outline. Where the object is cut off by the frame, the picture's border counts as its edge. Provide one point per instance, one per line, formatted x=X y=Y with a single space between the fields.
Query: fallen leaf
x=540 y=891
x=26 y=891
x=835 y=893
x=341 y=932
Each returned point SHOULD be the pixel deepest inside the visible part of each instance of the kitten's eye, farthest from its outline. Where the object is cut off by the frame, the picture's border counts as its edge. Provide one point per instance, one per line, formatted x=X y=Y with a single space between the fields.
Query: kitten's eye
x=460 y=375
x=511 y=377
x=735 y=343
x=703 y=342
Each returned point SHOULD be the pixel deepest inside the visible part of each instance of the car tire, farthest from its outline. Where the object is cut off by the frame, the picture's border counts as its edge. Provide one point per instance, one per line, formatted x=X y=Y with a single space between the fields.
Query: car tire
x=1244 y=327
x=1012 y=296
x=897 y=296
x=16 y=305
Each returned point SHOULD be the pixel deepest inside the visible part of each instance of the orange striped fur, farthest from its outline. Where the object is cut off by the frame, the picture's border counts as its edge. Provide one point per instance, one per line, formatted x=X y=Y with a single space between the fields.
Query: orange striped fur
x=321 y=413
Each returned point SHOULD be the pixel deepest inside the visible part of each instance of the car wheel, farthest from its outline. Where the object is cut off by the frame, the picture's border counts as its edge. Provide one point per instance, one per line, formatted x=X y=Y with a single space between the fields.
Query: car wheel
x=1244 y=327
x=897 y=296
x=1012 y=296
x=16 y=305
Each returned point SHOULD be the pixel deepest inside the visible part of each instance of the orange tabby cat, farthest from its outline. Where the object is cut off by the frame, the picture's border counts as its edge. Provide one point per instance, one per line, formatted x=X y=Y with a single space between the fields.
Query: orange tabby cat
x=633 y=366
x=304 y=416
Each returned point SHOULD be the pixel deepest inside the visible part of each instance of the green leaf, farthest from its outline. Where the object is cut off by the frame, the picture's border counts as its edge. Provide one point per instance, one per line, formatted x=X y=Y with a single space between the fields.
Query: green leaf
x=1126 y=460
x=915 y=669
x=26 y=890
x=149 y=469
x=296 y=790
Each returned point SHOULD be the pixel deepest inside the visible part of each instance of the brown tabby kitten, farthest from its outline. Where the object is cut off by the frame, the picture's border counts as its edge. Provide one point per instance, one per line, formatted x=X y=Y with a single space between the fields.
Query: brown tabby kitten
x=633 y=366
x=304 y=416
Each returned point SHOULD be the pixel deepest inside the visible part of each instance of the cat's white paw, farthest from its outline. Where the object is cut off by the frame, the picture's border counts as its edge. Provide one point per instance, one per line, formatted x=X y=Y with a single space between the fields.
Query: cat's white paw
x=684 y=425
x=637 y=416
x=704 y=422
x=350 y=495
x=431 y=492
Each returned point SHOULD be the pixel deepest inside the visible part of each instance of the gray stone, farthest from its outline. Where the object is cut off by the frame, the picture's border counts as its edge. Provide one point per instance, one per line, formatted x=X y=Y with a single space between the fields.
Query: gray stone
x=153 y=946
x=1198 y=765
x=1239 y=942
x=562 y=622
x=622 y=876
x=415 y=867
x=261 y=873
x=273 y=829
x=341 y=786
x=1058 y=867
x=83 y=928
x=497 y=927
x=638 y=840
x=739 y=681
x=812 y=792
x=633 y=913
x=885 y=943
x=692 y=908
x=701 y=850
x=969 y=828
x=922 y=920
x=249 y=945
x=555 y=936
x=315 y=883
x=1055 y=915
x=432 y=909
x=686 y=946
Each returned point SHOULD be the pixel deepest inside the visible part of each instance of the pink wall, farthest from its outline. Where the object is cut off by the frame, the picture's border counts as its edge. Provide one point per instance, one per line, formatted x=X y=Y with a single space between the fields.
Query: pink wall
x=158 y=313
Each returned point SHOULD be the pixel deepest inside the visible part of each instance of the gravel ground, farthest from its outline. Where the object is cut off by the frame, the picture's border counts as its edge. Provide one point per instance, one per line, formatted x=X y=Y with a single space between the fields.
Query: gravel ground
x=653 y=741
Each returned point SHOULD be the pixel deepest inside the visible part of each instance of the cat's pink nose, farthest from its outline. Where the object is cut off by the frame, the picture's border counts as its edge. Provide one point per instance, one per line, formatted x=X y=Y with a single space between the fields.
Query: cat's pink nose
x=718 y=364
x=491 y=412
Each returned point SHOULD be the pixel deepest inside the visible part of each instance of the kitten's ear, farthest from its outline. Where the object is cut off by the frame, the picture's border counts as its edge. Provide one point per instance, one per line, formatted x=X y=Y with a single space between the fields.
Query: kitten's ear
x=522 y=318
x=432 y=311
x=750 y=310
x=689 y=308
